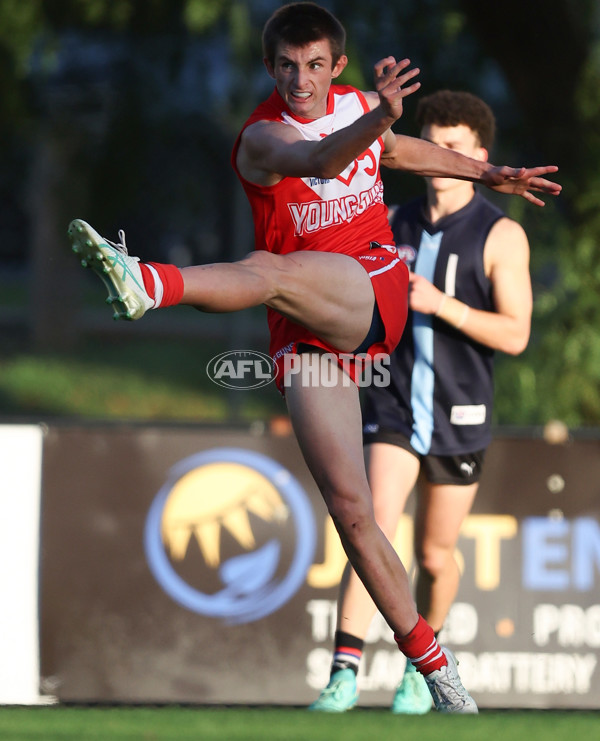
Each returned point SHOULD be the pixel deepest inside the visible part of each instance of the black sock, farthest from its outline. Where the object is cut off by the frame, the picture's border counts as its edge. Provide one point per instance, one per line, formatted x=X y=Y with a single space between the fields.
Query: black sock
x=347 y=652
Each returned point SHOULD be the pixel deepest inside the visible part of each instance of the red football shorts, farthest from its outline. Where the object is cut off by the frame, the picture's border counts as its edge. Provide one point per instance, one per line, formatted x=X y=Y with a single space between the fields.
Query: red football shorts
x=389 y=277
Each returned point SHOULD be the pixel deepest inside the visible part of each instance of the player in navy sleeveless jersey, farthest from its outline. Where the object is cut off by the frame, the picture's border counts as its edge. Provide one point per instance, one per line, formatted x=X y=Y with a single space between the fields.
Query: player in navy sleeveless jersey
x=470 y=294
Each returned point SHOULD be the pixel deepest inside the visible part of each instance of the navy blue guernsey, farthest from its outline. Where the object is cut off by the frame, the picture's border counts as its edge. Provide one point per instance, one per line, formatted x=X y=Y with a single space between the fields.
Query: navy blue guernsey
x=441 y=390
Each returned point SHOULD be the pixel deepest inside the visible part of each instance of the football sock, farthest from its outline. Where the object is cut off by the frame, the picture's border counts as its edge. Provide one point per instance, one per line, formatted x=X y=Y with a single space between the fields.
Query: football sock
x=347 y=652
x=163 y=283
x=421 y=648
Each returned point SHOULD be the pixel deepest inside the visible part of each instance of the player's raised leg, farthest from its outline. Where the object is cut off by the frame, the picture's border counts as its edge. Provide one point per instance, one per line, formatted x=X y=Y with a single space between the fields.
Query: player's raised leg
x=120 y=273
x=329 y=294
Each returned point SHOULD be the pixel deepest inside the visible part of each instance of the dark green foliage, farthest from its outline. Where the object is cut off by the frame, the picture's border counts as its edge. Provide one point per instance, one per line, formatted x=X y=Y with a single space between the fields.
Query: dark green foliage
x=136 y=130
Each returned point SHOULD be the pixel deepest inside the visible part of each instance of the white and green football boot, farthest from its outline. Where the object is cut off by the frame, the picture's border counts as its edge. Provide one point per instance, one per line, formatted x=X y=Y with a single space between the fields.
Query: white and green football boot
x=119 y=272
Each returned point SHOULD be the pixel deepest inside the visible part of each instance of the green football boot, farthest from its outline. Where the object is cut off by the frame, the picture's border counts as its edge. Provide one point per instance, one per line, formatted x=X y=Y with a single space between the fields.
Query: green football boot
x=412 y=695
x=340 y=694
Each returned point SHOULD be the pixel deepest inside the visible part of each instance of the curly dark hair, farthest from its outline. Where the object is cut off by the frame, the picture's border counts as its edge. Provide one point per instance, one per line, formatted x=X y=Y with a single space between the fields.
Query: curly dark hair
x=451 y=108
x=301 y=23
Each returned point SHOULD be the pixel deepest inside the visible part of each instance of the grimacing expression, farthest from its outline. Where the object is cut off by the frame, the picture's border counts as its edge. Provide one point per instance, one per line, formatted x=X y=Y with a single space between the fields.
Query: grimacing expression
x=303 y=76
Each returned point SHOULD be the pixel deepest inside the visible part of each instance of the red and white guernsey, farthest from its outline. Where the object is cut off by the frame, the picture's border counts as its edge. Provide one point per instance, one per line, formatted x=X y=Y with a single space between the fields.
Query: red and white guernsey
x=343 y=214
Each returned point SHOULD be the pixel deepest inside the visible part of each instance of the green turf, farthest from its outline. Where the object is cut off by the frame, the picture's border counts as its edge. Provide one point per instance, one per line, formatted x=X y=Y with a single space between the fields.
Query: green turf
x=134 y=379
x=266 y=724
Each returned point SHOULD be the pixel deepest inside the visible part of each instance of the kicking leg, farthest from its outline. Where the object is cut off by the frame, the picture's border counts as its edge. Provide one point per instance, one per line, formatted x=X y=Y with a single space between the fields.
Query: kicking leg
x=329 y=294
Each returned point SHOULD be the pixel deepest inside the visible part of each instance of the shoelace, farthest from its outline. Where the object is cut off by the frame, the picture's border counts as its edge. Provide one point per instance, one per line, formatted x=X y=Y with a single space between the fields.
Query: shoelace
x=334 y=689
x=445 y=688
x=119 y=246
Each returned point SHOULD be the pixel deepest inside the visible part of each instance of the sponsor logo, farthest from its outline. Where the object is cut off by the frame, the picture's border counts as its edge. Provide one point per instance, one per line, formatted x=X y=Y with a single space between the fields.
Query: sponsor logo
x=230 y=535
x=241 y=370
x=467 y=468
x=283 y=350
x=406 y=253
x=370 y=428
x=321 y=214
x=467 y=414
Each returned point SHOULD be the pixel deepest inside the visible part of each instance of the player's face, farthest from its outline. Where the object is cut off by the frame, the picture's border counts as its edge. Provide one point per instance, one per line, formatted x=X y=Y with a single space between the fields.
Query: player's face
x=458 y=138
x=303 y=76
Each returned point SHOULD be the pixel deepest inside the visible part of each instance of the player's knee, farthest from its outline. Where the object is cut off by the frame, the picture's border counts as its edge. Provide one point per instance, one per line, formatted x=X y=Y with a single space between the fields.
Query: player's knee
x=350 y=512
x=434 y=561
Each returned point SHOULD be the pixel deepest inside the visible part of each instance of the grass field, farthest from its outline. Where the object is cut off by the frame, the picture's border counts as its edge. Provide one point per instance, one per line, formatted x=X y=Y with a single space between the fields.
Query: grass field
x=275 y=724
x=153 y=371
x=139 y=379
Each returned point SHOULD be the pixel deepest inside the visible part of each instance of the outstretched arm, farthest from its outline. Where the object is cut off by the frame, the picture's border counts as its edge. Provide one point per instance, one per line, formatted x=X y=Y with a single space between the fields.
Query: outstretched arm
x=424 y=158
x=270 y=151
x=521 y=181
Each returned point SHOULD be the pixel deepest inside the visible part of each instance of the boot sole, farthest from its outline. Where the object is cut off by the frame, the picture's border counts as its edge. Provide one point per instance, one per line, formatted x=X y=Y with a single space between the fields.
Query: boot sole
x=110 y=266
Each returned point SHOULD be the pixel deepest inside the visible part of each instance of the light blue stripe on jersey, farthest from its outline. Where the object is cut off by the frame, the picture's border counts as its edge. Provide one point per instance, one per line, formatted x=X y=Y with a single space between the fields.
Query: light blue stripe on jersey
x=423 y=375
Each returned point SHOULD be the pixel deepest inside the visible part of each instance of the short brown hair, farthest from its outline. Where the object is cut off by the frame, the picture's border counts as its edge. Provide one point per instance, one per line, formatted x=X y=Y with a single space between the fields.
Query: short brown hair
x=452 y=108
x=299 y=24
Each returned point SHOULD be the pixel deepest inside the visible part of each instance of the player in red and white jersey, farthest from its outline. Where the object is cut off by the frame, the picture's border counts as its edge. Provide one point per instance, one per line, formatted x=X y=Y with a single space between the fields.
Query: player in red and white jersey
x=323 y=289
x=338 y=214
x=343 y=214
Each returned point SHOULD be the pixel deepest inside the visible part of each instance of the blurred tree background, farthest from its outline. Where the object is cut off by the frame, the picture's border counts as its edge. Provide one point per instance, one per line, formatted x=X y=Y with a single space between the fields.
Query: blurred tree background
x=124 y=112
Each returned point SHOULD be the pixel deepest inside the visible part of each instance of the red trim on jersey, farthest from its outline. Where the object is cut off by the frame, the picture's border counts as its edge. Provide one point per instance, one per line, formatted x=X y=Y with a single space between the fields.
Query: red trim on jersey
x=342 y=214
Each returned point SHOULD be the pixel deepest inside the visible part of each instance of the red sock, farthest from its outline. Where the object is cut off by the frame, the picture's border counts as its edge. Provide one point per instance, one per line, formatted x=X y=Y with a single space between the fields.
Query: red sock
x=421 y=648
x=163 y=283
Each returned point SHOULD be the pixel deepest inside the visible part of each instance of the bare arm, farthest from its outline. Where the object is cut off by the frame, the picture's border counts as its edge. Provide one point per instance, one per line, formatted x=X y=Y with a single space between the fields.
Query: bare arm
x=506 y=258
x=270 y=151
x=424 y=158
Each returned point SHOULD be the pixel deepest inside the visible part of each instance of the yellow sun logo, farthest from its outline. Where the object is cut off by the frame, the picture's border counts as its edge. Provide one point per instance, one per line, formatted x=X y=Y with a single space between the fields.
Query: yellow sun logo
x=215 y=496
